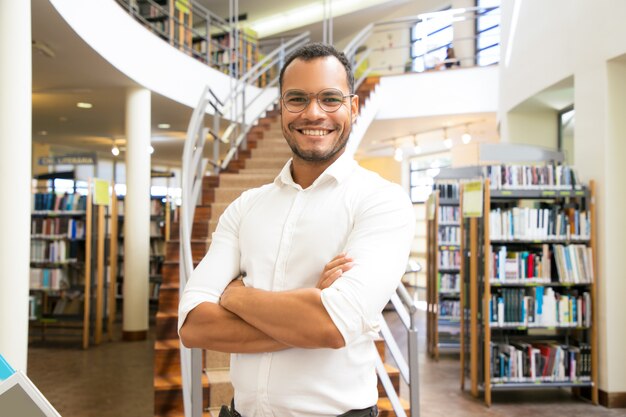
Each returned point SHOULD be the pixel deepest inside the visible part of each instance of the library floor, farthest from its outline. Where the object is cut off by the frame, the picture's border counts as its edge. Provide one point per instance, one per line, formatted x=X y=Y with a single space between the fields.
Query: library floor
x=115 y=380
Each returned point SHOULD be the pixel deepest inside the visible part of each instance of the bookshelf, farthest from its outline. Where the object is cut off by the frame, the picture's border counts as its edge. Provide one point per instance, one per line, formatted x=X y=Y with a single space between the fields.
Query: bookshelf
x=529 y=282
x=160 y=216
x=443 y=274
x=223 y=57
x=66 y=293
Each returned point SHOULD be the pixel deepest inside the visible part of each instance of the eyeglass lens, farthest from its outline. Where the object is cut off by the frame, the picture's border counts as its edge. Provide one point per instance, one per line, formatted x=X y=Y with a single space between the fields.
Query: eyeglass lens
x=329 y=99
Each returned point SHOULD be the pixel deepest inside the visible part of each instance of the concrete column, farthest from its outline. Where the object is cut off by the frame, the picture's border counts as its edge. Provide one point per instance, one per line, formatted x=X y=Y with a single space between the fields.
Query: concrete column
x=15 y=176
x=137 y=215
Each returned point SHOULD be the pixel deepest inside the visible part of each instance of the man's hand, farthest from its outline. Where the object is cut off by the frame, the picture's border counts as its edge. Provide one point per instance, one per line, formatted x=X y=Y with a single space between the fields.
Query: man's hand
x=228 y=291
x=334 y=269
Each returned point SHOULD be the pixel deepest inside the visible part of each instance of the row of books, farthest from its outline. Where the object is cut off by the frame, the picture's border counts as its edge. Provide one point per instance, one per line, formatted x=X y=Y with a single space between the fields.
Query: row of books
x=539 y=307
x=48 y=278
x=59 y=202
x=58 y=226
x=449 y=235
x=524 y=223
x=56 y=251
x=540 y=362
x=450 y=309
x=529 y=177
x=449 y=282
x=574 y=263
x=448 y=214
x=507 y=265
x=449 y=259
x=447 y=189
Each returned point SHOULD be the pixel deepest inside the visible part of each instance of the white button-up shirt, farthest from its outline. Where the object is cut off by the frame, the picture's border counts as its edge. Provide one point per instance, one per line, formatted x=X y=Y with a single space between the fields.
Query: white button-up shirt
x=281 y=236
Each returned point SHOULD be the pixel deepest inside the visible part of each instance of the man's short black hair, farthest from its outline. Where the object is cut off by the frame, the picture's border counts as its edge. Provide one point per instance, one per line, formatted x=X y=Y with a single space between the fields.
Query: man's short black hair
x=314 y=50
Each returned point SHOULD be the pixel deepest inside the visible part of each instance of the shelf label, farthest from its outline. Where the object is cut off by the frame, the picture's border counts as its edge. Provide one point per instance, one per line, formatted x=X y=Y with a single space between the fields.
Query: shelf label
x=101 y=192
x=506 y=192
x=473 y=199
x=548 y=193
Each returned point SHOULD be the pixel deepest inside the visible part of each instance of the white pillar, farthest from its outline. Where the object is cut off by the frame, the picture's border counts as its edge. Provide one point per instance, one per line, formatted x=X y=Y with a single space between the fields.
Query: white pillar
x=15 y=176
x=137 y=215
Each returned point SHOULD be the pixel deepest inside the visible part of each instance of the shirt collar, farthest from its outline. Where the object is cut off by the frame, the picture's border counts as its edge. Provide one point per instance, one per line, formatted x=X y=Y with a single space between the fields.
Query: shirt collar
x=339 y=170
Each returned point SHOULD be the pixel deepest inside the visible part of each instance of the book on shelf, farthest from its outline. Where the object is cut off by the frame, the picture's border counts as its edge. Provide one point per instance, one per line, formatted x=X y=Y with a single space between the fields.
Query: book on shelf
x=448 y=215
x=59 y=202
x=546 y=362
x=528 y=224
x=449 y=282
x=49 y=278
x=447 y=189
x=449 y=235
x=528 y=177
x=449 y=259
x=539 y=307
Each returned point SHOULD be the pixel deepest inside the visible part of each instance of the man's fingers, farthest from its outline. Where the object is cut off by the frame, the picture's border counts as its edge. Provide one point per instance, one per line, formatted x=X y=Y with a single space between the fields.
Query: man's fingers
x=337 y=261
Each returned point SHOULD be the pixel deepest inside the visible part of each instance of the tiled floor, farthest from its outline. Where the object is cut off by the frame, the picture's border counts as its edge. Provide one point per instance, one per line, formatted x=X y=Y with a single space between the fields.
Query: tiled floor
x=115 y=380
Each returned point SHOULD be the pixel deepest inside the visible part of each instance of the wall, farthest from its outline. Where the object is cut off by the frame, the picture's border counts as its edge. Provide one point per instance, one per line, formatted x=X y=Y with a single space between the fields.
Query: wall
x=473 y=90
x=551 y=42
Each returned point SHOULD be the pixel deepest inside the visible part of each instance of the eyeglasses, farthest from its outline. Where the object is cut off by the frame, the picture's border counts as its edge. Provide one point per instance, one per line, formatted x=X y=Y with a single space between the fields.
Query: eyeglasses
x=329 y=99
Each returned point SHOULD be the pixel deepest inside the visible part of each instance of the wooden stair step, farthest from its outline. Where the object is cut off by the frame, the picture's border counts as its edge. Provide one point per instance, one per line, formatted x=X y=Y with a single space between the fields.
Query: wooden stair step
x=220 y=388
x=168 y=393
x=228 y=194
x=198 y=249
x=385 y=408
x=166 y=327
x=394 y=376
x=265 y=163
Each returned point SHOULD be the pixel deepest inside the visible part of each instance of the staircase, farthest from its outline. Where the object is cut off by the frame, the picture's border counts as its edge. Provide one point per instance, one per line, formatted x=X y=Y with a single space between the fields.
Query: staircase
x=267 y=153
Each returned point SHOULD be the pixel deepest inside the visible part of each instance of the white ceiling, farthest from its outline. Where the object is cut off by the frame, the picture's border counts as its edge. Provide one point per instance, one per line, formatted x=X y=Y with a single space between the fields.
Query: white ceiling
x=77 y=73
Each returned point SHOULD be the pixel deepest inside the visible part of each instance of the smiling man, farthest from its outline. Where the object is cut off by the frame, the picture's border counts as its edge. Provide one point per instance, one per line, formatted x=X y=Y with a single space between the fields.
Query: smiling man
x=320 y=250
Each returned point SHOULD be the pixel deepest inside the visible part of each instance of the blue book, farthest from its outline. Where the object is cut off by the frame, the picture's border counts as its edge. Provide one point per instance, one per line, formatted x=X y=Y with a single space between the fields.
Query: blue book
x=5 y=369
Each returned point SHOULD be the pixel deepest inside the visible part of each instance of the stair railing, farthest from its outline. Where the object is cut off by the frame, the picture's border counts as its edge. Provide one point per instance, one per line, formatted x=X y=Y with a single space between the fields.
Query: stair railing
x=406 y=308
x=193 y=170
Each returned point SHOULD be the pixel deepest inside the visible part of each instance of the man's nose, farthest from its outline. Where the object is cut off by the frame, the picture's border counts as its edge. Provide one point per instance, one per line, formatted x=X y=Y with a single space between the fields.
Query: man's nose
x=313 y=109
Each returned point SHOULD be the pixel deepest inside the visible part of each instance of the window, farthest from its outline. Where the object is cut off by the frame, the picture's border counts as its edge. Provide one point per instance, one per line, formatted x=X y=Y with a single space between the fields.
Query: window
x=422 y=173
x=430 y=38
x=488 y=32
x=567 y=119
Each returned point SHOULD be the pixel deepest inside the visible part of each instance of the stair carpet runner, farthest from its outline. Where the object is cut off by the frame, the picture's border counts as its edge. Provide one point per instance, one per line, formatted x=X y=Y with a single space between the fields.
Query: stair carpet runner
x=267 y=154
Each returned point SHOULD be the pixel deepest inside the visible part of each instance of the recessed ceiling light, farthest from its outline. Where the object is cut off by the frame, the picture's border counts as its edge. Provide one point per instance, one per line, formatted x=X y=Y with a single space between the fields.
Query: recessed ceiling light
x=151 y=149
x=62 y=119
x=163 y=126
x=43 y=132
x=84 y=105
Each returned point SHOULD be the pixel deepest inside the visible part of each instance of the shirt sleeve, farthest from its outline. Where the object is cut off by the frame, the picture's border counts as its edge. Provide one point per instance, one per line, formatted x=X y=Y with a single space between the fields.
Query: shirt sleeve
x=380 y=243
x=219 y=266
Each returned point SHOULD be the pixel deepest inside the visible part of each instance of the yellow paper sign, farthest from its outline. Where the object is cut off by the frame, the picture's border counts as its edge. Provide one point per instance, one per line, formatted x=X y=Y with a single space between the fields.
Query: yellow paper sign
x=101 y=192
x=182 y=6
x=473 y=199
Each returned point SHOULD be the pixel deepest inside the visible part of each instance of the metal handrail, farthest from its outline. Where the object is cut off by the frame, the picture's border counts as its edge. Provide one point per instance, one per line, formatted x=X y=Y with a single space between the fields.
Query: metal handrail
x=406 y=309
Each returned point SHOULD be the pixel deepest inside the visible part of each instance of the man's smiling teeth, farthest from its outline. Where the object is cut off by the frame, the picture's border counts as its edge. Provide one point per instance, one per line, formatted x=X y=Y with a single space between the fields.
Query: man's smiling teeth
x=311 y=132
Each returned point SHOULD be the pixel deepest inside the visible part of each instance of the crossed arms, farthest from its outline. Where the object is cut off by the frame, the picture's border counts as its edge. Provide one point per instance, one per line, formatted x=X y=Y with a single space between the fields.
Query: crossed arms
x=250 y=320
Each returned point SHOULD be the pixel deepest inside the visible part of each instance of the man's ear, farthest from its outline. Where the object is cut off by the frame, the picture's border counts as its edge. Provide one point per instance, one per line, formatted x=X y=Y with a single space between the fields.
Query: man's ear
x=354 y=103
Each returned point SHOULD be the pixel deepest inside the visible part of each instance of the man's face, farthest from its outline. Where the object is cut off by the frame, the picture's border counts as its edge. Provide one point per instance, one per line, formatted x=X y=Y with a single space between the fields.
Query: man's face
x=313 y=134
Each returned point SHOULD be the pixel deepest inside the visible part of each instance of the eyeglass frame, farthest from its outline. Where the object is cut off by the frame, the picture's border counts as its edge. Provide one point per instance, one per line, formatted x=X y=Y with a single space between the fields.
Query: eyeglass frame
x=317 y=99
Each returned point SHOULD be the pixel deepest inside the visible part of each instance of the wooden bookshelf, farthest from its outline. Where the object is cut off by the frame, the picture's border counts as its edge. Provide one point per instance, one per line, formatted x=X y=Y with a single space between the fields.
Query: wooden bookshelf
x=526 y=322
x=67 y=275
x=443 y=273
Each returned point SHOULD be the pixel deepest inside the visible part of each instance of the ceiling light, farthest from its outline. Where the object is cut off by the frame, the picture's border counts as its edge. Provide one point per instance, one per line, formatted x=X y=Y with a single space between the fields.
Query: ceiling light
x=115 y=150
x=83 y=105
x=446 y=140
x=466 y=137
x=416 y=146
x=151 y=149
x=397 y=155
x=43 y=132
x=163 y=126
